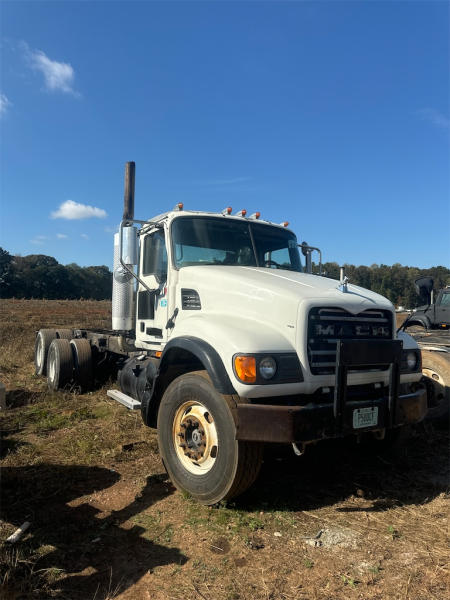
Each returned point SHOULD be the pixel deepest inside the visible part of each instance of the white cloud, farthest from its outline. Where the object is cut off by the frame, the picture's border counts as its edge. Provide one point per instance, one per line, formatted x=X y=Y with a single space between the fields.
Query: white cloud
x=61 y=236
x=4 y=104
x=435 y=117
x=58 y=76
x=39 y=240
x=84 y=236
x=74 y=210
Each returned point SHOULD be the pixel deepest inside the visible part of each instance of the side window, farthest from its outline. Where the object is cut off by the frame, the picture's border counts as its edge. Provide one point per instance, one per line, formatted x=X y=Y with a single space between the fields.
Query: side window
x=281 y=257
x=445 y=300
x=155 y=256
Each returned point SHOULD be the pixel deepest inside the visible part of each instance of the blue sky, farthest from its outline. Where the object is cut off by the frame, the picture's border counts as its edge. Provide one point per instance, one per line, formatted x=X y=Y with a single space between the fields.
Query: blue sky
x=331 y=115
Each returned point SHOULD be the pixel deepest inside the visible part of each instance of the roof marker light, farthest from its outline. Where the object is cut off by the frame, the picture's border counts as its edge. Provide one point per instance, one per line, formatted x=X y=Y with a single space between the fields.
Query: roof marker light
x=178 y=206
x=227 y=211
x=255 y=215
x=285 y=223
x=241 y=213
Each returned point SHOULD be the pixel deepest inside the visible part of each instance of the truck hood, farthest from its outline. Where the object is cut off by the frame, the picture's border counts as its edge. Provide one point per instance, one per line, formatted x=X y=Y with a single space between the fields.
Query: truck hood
x=282 y=284
x=257 y=309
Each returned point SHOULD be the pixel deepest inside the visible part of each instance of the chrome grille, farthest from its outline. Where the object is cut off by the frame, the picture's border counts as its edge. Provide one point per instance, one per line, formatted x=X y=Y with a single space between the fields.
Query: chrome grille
x=326 y=326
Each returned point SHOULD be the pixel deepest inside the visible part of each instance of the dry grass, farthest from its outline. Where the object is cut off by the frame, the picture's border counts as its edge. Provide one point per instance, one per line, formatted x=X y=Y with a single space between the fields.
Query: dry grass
x=342 y=522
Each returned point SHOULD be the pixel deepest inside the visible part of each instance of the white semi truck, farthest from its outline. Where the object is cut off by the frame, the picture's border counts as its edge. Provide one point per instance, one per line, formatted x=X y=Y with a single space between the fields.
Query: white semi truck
x=225 y=341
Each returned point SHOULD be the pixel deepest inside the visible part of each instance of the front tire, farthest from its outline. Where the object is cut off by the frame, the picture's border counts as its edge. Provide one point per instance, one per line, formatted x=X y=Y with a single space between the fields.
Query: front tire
x=197 y=442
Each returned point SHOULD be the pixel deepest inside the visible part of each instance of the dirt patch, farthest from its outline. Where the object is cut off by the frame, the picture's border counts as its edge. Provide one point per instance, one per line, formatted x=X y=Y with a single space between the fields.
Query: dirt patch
x=334 y=536
x=220 y=546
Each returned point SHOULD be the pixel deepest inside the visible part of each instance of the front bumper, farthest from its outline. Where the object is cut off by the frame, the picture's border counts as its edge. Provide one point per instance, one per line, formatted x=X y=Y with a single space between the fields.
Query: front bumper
x=315 y=421
x=285 y=424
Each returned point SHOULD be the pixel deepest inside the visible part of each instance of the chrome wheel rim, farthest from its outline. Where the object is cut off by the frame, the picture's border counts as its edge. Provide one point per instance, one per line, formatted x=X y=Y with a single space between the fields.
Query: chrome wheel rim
x=51 y=367
x=40 y=353
x=195 y=437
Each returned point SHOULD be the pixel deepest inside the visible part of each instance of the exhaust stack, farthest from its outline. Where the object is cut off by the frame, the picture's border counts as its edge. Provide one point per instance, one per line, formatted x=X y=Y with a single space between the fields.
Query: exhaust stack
x=125 y=252
x=128 y=196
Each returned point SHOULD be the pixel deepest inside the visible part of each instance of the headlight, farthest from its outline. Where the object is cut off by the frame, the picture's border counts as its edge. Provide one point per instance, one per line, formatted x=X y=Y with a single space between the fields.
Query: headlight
x=267 y=367
x=411 y=361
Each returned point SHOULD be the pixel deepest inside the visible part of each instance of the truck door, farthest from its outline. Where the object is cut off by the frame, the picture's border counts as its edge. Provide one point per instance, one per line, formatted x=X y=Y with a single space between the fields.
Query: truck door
x=443 y=309
x=151 y=315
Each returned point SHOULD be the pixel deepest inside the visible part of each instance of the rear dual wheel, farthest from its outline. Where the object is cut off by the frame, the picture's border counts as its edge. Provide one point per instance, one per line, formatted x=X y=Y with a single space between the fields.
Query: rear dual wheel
x=59 y=364
x=197 y=441
x=69 y=361
x=44 y=338
x=82 y=358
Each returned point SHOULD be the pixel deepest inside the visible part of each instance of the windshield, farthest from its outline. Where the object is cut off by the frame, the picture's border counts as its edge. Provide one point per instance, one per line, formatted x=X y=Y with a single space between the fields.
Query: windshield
x=222 y=241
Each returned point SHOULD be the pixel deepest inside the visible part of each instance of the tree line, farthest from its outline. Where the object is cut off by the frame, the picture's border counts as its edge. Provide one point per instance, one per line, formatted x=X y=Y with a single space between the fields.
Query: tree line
x=395 y=282
x=40 y=276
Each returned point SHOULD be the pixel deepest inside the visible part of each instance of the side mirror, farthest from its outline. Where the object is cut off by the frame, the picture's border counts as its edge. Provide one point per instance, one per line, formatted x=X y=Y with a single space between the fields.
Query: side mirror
x=424 y=287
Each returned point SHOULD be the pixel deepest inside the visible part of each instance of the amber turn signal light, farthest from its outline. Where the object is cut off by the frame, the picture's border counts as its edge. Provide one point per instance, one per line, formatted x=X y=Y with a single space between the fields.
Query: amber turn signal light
x=245 y=368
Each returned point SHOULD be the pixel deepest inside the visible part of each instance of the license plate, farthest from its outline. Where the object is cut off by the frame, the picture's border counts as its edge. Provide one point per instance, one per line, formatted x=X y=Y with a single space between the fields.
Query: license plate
x=365 y=417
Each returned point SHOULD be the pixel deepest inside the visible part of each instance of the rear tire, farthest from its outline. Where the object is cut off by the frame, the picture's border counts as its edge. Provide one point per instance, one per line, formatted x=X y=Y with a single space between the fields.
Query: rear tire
x=197 y=442
x=82 y=359
x=436 y=371
x=59 y=364
x=44 y=338
x=64 y=334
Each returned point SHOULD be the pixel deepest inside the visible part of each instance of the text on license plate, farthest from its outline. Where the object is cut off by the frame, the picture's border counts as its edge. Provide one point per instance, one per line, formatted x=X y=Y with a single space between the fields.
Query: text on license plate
x=365 y=417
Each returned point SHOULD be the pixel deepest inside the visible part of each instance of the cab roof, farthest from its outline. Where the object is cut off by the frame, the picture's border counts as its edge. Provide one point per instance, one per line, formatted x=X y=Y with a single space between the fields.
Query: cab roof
x=170 y=215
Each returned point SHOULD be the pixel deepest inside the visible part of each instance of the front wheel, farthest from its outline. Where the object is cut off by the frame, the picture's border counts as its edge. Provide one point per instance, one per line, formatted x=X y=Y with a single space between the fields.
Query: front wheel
x=197 y=442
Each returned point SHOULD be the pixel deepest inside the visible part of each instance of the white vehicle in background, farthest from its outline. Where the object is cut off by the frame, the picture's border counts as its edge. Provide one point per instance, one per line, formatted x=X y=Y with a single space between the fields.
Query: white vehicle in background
x=225 y=341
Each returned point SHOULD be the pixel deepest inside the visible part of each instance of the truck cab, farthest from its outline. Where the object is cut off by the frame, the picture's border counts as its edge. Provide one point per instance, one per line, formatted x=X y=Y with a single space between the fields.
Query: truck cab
x=225 y=308
x=183 y=248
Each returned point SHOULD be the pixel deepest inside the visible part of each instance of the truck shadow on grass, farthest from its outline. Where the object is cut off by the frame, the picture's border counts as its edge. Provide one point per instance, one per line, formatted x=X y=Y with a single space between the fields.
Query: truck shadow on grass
x=75 y=551
x=8 y=444
x=414 y=472
x=22 y=397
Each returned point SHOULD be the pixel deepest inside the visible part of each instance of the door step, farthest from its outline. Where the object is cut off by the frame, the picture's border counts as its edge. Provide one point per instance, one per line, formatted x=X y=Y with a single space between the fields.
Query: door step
x=127 y=401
